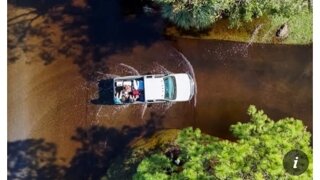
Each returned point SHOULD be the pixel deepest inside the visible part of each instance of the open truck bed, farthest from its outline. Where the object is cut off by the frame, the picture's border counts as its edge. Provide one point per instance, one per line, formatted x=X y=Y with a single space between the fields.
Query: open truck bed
x=132 y=83
x=157 y=88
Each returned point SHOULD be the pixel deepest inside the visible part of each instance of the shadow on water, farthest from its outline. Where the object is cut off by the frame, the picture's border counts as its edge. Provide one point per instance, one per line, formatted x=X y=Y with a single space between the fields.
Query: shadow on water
x=41 y=7
x=89 y=33
x=99 y=145
x=33 y=159
x=105 y=93
x=21 y=25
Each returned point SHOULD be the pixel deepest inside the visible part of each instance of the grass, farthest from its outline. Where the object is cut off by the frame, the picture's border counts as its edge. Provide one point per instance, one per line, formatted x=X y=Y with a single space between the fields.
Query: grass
x=300 y=30
x=160 y=137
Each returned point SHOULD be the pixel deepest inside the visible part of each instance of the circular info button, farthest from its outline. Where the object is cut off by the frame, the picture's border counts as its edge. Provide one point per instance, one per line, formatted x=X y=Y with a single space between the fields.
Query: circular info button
x=295 y=162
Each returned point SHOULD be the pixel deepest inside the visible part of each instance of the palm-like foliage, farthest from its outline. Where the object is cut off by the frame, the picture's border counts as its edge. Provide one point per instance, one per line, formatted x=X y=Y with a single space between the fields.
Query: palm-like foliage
x=193 y=14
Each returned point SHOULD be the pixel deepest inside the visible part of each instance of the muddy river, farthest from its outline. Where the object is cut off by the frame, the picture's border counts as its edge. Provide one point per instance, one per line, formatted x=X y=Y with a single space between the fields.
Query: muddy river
x=59 y=82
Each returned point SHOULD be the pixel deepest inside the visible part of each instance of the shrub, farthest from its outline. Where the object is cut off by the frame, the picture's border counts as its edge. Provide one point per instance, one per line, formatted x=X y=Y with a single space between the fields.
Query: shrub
x=257 y=154
x=193 y=14
x=244 y=11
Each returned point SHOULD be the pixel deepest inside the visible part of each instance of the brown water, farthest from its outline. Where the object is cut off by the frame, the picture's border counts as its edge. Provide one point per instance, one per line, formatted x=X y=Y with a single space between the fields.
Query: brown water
x=55 y=95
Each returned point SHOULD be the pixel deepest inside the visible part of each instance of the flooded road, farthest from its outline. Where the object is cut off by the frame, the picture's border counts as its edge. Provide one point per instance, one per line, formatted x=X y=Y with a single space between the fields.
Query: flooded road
x=52 y=101
x=231 y=76
x=55 y=92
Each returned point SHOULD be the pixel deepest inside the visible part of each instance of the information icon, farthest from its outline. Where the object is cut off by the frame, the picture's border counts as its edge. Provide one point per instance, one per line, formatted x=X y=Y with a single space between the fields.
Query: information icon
x=295 y=162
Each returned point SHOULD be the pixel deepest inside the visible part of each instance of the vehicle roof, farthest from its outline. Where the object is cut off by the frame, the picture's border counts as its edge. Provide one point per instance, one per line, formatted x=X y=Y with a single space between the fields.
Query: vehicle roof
x=183 y=85
x=154 y=88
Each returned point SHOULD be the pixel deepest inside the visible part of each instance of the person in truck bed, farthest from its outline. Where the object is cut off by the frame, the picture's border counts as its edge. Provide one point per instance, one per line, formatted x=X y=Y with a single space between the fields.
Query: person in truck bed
x=126 y=91
x=119 y=98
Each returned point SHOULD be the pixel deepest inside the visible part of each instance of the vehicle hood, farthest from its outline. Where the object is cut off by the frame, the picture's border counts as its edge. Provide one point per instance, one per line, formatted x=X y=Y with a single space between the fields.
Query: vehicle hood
x=184 y=87
x=154 y=88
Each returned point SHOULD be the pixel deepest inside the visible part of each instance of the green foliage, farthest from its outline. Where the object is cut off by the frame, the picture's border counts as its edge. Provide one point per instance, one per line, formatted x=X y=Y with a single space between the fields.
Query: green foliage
x=154 y=167
x=258 y=153
x=193 y=14
x=262 y=145
x=300 y=27
x=201 y=14
x=244 y=11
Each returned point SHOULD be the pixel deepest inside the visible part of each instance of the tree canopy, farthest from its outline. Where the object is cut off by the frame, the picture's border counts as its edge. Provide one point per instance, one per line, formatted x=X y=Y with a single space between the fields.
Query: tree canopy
x=193 y=14
x=257 y=154
x=244 y=11
x=201 y=14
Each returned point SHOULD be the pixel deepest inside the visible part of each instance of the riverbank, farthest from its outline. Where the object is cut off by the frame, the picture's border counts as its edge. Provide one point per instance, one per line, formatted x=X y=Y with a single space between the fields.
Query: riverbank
x=262 y=30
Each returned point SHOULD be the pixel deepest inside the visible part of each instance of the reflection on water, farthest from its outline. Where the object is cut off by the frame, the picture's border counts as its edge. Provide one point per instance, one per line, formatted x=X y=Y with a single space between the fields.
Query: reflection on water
x=63 y=61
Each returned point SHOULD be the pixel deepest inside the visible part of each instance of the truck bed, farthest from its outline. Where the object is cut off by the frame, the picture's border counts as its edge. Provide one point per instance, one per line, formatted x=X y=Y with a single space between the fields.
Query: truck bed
x=128 y=84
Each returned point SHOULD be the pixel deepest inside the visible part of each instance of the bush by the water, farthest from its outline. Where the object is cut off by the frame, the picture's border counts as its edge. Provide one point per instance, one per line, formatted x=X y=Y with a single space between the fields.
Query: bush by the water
x=193 y=14
x=244 y=11
x=201 y=14
x=257 y=154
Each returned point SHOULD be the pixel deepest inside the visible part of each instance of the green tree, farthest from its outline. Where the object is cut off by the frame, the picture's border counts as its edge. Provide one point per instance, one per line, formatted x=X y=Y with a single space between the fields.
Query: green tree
x=244 y=11
x=193 y=14
x=257 y=154
x=262 y=144
x=154 y=167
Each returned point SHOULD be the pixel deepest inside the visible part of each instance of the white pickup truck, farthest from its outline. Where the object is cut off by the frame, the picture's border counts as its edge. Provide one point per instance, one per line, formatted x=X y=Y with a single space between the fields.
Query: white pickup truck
x=157 y=88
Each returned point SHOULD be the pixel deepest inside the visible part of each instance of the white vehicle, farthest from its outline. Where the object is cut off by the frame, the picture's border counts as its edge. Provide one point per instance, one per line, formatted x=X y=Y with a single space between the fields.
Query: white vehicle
x=153 y=88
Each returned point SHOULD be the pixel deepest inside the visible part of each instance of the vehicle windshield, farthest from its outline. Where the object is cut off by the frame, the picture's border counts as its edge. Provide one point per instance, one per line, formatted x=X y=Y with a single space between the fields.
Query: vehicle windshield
x=169 y=87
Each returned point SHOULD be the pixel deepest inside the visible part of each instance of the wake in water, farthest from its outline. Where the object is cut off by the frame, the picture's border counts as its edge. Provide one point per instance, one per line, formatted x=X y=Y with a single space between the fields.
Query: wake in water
x=254 y=34
x=143 y=110
x=117 y=109
x=99 y=111
x=130 y=68
x=189 y=68
x=168 y=105
x=242 y=49
x=105 y=76
x=158 y=68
